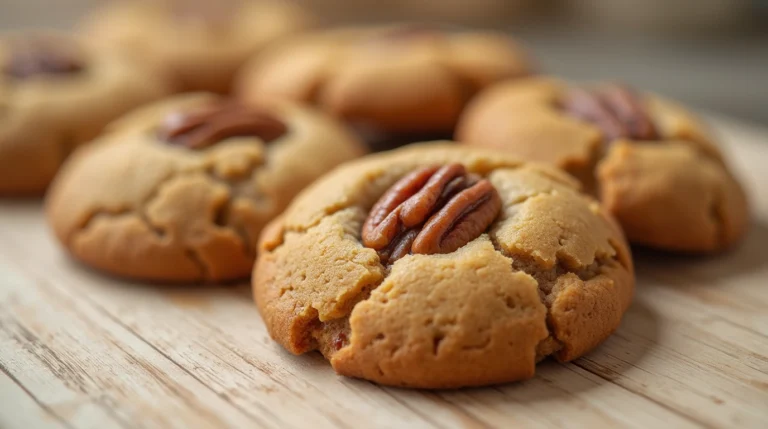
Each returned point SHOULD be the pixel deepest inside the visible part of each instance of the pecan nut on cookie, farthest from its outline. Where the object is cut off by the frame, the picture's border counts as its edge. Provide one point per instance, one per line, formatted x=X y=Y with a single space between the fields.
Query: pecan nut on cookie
x=200 y=44
x=442 y=266
x=653 y=165
x=178 y=191
x=393 y=84
x=56 y=94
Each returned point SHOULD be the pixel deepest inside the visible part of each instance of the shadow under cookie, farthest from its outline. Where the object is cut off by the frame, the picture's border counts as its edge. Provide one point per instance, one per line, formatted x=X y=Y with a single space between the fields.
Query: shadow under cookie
x=380 y=141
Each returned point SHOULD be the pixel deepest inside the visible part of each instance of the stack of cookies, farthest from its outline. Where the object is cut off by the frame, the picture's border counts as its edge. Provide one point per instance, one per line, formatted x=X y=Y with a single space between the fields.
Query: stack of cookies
x=190 y=142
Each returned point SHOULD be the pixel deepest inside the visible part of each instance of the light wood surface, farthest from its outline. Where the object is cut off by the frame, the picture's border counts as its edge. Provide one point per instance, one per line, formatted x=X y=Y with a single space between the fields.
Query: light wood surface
x=80 y=350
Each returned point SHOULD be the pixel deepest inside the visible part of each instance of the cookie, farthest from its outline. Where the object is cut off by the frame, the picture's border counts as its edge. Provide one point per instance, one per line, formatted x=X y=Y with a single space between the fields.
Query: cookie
x=178 y=191
x=653 y=165
x=200 y=44
x=56 y=94
x=395 y=83
x=440 y=266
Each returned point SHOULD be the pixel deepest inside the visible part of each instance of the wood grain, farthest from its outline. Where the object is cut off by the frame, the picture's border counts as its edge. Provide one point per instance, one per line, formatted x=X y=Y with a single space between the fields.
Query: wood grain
x=81 y=350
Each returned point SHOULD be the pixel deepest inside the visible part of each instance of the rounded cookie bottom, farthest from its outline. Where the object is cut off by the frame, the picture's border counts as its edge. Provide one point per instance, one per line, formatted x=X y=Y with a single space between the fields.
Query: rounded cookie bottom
x=137 y=205
x=672 y=197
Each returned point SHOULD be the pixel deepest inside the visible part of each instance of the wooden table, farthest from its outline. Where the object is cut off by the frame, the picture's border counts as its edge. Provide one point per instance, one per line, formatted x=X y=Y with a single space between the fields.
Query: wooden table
x=80 y=350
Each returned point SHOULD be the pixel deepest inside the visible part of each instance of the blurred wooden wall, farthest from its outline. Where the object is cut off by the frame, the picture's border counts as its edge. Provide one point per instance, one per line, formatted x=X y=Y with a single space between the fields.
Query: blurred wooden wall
x=663 y=17
x=494 y=13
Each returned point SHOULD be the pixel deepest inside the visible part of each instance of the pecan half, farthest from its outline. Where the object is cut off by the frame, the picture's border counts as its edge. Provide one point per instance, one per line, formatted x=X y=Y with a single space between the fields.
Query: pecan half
x=432 y=210
x=33 y=57
x=615 y=109
x=206 y=126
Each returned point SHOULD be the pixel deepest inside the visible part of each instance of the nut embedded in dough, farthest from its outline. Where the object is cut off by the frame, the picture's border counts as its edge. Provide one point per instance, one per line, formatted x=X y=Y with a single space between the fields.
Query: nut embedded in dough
x=649 y=161
x=432 y=210
x=197 y=129
x=551 y=275
x=136 y=206
x=391 y=83
x=56 y=94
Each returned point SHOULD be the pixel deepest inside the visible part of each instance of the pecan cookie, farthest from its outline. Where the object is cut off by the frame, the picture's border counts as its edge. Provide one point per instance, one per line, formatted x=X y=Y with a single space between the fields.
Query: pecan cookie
x=179 y=190
x=200 y=44
x=55 y=94
x=442 y=266
x=394 y=84
x=652 y=164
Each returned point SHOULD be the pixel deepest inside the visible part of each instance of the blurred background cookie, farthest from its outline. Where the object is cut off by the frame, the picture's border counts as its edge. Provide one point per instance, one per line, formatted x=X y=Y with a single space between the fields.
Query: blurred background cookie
x=679 y=48
x=56 y=93
x=200 y=44
x=441 y=266
x=179 y=190
x=394 y=84
x=653 y=165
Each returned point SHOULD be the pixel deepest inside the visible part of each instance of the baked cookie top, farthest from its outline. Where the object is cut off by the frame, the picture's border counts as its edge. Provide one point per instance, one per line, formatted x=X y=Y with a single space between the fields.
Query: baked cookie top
x=179 y=190
x=442 y=266
x=395 y=79
x=56 y=93
x=653 y=164
x=200 y=43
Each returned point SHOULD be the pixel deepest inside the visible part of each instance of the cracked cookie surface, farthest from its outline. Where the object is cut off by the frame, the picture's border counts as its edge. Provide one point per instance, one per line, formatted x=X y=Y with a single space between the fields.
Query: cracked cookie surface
x=199 y=44
x=56 y=94
x=552 y=275
x=137 y=206
x=668 y=186
x=391 y=80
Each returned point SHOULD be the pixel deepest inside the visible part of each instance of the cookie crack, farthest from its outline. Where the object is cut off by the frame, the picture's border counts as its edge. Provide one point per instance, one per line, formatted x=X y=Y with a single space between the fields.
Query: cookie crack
x=194 y=256
x=333 y=209
x=319 y=335
x=304 y=229
x=85 y=223
x=140 y=211
x=546 y=279
x=222 y=218
x=524 y=198
x=332 y=335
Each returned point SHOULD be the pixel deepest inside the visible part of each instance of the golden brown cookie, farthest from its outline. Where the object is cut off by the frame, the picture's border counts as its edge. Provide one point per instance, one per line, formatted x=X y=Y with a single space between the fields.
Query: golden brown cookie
x=391 y=82
x=179 y=191
x=442 y=266
x=200 y=44
x=652 y=164
x=56 y=94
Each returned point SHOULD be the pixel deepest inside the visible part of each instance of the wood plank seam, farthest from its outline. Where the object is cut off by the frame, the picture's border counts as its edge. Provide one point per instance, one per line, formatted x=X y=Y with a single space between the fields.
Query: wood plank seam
x=99 y=307
x=405 y=404
x=42 y=405
x=649 y=398
x=731 y=355
x=30 y=336
x=746 y=328
x=467 y=413
x=66 y=295
x=96 y=306
x=109 y=315
x=256 y=418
